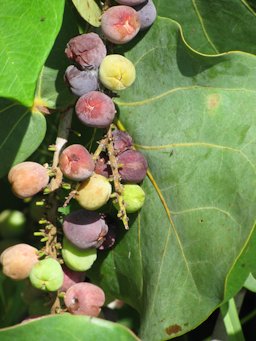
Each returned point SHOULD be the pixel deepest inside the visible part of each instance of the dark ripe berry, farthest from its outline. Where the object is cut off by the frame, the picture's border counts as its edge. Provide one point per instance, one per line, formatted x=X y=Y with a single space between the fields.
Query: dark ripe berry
x=120 y=24
x=102 y=166
x=110 y=237
x=85 y=229
x=147 y=13
x=87 y=50
x=133 y=166
x=121 y=141
x=71 y=277
x=27 y=179
x=76 y=163
x=130 y=2
x=95 y=109
x=81 y=82
x=84 y=299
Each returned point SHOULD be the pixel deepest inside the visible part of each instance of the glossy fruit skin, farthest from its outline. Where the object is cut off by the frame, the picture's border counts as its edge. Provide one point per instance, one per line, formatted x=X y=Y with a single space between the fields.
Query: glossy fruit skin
x=120 y=24
x=95 y=109
x=47 y=275
x=121 y=141
x=28 y=178
x=117 y=72
x=84 y=299
x=77 y=259
x=85 y=229
x=133 y=166
x=134 y=198
x=76 y=163
x=147 y=13
x=81 y=82
x=130 y=2
x=93 y=193
x=18 y=260
x=87 y=50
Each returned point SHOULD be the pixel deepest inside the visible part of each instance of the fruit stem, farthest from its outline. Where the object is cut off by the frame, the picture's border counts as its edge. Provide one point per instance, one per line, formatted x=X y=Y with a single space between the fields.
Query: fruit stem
x=116 y=178
x=62 y=138
x=101 y=147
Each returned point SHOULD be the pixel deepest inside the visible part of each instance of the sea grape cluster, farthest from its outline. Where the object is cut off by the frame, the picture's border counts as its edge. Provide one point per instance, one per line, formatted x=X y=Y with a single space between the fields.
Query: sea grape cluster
x=116 y=170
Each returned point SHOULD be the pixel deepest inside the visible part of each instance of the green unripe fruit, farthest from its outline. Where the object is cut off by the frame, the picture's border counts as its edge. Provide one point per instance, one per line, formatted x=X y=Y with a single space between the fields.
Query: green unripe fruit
x=12 y=223
x=134 y=198
x=47 y=275
x=116 y=72
x=77 y=259
x=94 y=192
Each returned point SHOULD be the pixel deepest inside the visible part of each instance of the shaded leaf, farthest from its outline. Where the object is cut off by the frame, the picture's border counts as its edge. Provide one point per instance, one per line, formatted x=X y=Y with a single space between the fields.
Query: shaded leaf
x=68 y=327
x=51 y=90
x=194 y=118
x=203 y=23
x=24 y=51
x=89 y=10
x=21 y=133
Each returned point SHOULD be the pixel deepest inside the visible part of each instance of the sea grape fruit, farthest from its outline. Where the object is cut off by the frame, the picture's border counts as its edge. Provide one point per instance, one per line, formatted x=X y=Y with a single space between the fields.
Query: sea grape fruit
x=130 y=2
x=117 y=72
x=84 y=299
x=134 y=198
x=27 y=179
x=18 y=261
x=87 y=50
x=120 y=24
x=95 y=109
x=71 y=277
x=47 y=275
x=12 y=223
x=147 y=13
x=94 y=192
x=102 y=165
x=110 y=237
x=133 y=166
x=81 y=82
x=85 y=229
x=77 y=259
x=76 y=163
x=121 y=141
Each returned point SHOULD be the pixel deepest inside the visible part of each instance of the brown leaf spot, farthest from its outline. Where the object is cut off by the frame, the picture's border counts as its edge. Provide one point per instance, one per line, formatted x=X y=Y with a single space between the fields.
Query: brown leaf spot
x=174 y=329
x=213 y=101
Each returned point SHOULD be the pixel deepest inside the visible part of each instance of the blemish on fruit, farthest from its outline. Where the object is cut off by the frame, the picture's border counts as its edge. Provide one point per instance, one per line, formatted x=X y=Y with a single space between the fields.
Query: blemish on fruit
x=213 y=101
x=174 y=329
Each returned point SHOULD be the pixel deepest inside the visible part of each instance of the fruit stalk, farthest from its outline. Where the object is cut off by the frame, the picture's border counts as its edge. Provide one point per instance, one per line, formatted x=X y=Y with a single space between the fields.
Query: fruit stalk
x=61 y=140
x=116 y=178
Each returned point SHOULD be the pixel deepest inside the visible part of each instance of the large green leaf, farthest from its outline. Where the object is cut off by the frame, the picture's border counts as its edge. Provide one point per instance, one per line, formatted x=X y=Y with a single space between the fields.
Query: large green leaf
x=21 y=133
x=51 y=90
x=194 y=118
x=28 y=31
x=68 y=328
x=213 y=26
